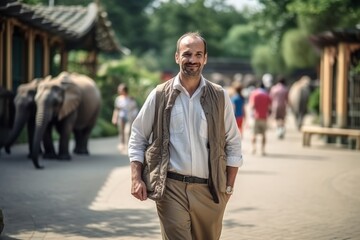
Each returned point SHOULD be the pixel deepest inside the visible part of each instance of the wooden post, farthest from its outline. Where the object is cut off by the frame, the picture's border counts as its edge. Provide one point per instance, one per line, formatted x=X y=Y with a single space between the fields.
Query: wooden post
x=8 y=62
x=2 y=29
x=322 y=61
x=31 y=38
x=327 y=82
x=342 y=85
x=64 y=60
x=46 y=56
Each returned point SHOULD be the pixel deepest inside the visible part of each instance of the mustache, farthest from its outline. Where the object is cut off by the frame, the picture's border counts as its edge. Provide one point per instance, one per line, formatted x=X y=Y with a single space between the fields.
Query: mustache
x=192 y=64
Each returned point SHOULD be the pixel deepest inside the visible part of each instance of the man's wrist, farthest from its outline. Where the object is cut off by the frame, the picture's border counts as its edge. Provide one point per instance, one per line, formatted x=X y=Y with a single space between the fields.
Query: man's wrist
x=229 y=190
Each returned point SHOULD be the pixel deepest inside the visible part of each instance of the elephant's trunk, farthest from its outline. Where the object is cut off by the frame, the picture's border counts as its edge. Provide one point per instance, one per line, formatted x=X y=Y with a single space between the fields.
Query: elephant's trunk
x=43 y=117
x=21 y=117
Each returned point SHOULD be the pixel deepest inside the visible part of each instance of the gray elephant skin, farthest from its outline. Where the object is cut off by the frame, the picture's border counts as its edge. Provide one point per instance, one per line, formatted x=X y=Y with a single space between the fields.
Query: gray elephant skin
x=71 y=103
x=25 y=110
x=298 y=97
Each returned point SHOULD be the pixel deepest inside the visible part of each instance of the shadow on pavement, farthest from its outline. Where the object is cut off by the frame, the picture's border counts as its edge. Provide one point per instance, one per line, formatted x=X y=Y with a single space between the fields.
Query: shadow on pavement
x=58 y=200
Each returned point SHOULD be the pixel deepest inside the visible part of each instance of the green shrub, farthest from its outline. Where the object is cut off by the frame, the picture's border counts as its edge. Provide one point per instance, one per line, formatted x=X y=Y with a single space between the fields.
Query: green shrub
x=314 y=101
x=103 y=128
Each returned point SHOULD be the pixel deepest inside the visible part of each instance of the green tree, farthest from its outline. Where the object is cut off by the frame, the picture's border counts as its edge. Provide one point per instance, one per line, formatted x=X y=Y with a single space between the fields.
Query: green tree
x=297 y=51
x=314 y=16
x=273 y=20
x=130 y=22
x=171 y=19
x=240 y=41
x=266 y=60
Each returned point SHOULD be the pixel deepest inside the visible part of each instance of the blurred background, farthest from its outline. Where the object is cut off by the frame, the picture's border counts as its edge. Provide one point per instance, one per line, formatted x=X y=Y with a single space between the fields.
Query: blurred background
x=246 y=39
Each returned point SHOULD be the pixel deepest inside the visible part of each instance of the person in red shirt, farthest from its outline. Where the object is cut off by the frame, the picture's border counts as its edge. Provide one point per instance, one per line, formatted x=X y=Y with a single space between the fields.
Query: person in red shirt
x=260 y=105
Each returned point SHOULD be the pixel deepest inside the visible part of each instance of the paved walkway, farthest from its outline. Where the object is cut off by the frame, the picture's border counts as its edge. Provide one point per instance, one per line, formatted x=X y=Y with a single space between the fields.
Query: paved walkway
x=291 y=193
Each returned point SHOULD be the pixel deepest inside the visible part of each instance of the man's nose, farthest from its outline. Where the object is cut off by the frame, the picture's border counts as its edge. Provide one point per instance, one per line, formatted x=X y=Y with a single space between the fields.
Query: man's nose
x=191 y=59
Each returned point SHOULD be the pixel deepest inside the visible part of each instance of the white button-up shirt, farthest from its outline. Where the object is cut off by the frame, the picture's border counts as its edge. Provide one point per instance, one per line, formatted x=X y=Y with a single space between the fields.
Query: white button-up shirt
x=188 y=133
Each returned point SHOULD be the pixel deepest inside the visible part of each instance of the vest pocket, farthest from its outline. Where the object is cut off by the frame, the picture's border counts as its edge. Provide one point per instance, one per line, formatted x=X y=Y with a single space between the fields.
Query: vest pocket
x=151 y=168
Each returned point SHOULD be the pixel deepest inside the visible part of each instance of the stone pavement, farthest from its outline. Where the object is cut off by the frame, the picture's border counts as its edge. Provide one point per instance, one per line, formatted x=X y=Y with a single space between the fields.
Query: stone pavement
x=291 y=193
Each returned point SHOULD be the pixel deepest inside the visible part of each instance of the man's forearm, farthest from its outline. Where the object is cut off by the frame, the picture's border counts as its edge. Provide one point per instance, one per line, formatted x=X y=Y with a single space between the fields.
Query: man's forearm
x=231 y=175
x=136 y=168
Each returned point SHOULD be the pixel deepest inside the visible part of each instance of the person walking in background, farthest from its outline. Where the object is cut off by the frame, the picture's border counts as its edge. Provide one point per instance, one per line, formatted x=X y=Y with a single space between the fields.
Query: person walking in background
x=239 y=105
x=125 y=110
x=279 y=96
x=267 y=81
x=189 y=167
x=260 y=106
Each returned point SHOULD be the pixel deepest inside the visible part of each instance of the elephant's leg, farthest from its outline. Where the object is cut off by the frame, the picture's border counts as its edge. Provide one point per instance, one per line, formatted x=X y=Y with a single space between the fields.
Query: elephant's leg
x=30 y=129
x=81 y=140
x=298 y=121
x=49 y=150
x=64 y=130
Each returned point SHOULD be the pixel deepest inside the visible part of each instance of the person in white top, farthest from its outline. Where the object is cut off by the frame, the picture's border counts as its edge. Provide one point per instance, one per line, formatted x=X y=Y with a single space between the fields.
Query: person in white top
x=125 y=111
x=187 y=209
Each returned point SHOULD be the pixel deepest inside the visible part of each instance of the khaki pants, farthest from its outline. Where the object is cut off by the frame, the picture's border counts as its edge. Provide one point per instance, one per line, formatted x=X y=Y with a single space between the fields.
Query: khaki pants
x=187 y=211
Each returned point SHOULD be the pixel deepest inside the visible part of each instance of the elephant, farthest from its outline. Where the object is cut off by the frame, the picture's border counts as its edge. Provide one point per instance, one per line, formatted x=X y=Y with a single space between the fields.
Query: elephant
x=71 y=103
x=298 y=97
x=25 y=110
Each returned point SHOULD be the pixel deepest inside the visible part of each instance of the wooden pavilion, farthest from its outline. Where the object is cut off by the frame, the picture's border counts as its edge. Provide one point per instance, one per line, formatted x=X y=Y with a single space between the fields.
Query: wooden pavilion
x=339 y=78
x=339 y=88
x=35 y=41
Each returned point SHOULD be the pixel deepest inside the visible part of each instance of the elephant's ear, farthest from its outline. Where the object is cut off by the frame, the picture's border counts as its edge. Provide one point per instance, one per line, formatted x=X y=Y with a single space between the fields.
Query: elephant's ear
x=72 y=97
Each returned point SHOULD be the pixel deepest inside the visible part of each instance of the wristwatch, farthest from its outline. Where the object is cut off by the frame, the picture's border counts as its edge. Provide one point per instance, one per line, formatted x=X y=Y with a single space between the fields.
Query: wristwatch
x=229 y=190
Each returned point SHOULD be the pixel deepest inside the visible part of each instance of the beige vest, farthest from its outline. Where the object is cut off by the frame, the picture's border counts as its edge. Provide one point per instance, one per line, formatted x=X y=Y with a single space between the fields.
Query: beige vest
x=157 y=154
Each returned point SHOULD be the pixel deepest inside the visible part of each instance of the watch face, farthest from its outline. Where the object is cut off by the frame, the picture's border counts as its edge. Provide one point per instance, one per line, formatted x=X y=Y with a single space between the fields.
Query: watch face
x=229 y=190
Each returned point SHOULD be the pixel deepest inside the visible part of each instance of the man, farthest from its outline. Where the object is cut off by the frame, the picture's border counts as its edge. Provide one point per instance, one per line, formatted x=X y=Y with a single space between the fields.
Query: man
x=260 y=103
x=279 y=97
x=191 y=163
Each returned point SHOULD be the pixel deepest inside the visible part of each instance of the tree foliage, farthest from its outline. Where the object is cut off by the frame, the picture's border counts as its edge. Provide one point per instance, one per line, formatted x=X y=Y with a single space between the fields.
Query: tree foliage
x=297 y=51
x=314 y=16
x=274 y=38
x=171 y=19
x=240 y=41
x=266 y=60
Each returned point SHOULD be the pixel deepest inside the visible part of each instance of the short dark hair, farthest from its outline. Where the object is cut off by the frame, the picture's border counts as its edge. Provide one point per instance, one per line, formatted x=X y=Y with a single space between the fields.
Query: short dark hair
x=281 y=79
x=122 y=86
x=191 y=34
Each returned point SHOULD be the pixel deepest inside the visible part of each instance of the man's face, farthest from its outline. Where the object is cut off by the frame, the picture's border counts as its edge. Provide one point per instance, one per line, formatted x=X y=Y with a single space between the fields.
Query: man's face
x=191 y=57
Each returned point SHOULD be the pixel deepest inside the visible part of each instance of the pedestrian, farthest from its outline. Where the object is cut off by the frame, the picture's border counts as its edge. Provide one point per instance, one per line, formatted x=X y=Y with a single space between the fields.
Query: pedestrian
x=267 y=80
x=190 y=166
x=125 y=109
x=279 y=96
x=260 y=105
x=239 y=105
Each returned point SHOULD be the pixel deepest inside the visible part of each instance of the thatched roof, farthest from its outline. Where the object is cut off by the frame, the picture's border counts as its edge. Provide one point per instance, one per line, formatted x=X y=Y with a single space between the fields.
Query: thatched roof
x=333 y=38
x=81 y=27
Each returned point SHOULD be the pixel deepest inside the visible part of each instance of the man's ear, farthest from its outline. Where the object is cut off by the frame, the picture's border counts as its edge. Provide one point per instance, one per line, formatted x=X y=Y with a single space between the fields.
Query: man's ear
x=205 y=59
x=177 y=57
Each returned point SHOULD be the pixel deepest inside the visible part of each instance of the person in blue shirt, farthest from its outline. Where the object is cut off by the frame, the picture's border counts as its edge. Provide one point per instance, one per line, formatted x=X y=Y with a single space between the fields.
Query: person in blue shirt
x=238 y=102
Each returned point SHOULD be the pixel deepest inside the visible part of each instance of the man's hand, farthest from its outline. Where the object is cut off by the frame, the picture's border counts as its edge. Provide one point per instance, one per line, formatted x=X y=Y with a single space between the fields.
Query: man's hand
x=138 y=187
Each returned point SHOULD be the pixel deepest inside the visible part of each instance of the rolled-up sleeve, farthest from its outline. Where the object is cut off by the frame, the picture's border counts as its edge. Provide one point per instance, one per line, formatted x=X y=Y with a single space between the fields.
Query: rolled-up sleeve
x=232 y=135
x=141 y=129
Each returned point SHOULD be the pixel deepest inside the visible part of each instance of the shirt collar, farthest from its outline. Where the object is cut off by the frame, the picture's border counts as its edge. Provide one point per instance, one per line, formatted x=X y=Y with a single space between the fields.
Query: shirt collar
x=177 y=84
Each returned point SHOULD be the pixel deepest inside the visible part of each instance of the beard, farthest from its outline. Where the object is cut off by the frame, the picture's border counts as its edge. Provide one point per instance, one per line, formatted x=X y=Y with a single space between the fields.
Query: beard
x=191 y=70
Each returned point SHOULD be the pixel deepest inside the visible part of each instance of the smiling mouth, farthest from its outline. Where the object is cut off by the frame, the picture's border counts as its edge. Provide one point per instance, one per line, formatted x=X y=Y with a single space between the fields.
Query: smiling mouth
x=191 y=65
